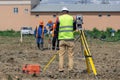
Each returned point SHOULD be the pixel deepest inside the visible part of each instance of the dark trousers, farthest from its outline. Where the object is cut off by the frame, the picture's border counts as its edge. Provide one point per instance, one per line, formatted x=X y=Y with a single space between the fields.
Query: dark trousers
x=55 y=43
x=39 y=43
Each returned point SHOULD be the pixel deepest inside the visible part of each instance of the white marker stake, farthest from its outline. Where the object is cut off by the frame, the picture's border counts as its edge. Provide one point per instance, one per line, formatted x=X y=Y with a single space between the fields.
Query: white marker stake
x=21 y=39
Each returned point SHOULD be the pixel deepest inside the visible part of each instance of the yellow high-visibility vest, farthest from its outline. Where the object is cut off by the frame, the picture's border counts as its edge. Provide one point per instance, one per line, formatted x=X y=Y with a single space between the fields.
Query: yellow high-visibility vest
x=65 y=27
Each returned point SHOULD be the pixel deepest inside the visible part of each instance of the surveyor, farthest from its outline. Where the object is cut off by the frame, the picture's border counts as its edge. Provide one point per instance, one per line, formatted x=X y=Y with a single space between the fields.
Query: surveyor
x=39 y=34
x=65 y=26
x=49 y=25
x=49 y=29
x=55 y=41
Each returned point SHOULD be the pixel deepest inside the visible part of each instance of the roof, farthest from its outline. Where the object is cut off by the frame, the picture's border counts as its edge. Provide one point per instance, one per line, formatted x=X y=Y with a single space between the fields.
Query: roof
x=15 y=0
x=77 y=8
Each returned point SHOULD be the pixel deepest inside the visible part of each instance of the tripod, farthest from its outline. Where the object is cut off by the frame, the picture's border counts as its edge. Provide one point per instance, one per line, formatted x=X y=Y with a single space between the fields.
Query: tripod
x=87 y=54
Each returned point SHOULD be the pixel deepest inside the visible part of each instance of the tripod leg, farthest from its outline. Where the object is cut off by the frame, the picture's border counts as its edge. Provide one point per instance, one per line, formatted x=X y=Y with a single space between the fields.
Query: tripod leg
x=87 y=54
x=50 y=61
x=92 y=65
x=82 y=50
x=84 y=53
x=87 y=64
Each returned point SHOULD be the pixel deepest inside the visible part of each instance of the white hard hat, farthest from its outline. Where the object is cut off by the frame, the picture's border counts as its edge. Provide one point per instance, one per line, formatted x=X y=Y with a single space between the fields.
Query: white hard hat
x=65 y=9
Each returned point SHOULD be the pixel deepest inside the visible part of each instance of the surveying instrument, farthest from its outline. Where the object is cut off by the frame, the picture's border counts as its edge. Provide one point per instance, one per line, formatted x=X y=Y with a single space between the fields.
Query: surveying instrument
x=84 y=48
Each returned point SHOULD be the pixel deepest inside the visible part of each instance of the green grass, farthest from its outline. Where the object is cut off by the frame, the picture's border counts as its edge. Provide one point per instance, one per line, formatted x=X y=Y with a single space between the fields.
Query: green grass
x=93 y=34
x=10 y=33
x=103 y=35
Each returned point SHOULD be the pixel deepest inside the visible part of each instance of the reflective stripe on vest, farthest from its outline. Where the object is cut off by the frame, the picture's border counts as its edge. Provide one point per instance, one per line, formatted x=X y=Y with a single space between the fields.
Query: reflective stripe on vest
x=66 y=27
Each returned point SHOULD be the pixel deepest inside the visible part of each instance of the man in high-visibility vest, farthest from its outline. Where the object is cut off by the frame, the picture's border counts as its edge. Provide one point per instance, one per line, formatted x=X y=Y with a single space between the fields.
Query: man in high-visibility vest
x=65 y=27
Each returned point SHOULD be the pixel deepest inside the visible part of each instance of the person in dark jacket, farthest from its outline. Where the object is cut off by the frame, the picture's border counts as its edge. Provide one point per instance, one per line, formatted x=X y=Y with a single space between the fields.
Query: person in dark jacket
x=55 y=41
x=39 y=34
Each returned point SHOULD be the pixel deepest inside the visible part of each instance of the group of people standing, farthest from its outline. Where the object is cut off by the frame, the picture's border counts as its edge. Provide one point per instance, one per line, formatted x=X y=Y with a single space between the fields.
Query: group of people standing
x=63 y=32
x=50 y=30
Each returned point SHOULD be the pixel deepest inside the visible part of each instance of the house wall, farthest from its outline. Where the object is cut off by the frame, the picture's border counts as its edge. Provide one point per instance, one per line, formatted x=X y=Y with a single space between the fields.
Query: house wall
x=91 y=20
x=10 y=20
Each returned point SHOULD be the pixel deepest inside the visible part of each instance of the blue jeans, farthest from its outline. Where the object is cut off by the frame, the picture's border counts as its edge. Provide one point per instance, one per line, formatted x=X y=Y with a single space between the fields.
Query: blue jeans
x=39 y=40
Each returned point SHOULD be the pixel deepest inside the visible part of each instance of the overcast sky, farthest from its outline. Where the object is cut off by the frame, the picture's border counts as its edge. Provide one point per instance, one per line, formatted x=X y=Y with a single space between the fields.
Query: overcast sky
x=75 y=1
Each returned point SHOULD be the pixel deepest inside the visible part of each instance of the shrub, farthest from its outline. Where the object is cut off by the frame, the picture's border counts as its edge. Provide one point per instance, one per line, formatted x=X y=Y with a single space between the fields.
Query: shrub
x=108 y=32
x=96 y=33
x=118 y=33
x=103 y=35
x=10 y=33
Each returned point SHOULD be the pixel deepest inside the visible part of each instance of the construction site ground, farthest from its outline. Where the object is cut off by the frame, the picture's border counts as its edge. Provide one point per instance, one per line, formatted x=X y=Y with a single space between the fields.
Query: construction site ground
x=13 y=55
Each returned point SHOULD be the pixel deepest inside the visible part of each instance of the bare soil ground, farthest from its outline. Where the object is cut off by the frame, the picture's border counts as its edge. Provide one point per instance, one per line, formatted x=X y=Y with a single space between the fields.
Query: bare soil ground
x=13 y=55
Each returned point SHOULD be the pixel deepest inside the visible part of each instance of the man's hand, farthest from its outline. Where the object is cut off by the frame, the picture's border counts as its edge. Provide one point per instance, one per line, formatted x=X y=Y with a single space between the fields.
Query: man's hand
x=42 y=36
x=76 y=30
x=36 y=35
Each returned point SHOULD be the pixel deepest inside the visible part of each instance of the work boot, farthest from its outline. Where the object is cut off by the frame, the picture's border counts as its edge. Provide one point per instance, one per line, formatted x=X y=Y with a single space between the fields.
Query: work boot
x=41 y=47
x=53 y=48
x=57 y=48
x=61 y=70
x=38 y=45
x=71 y=71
